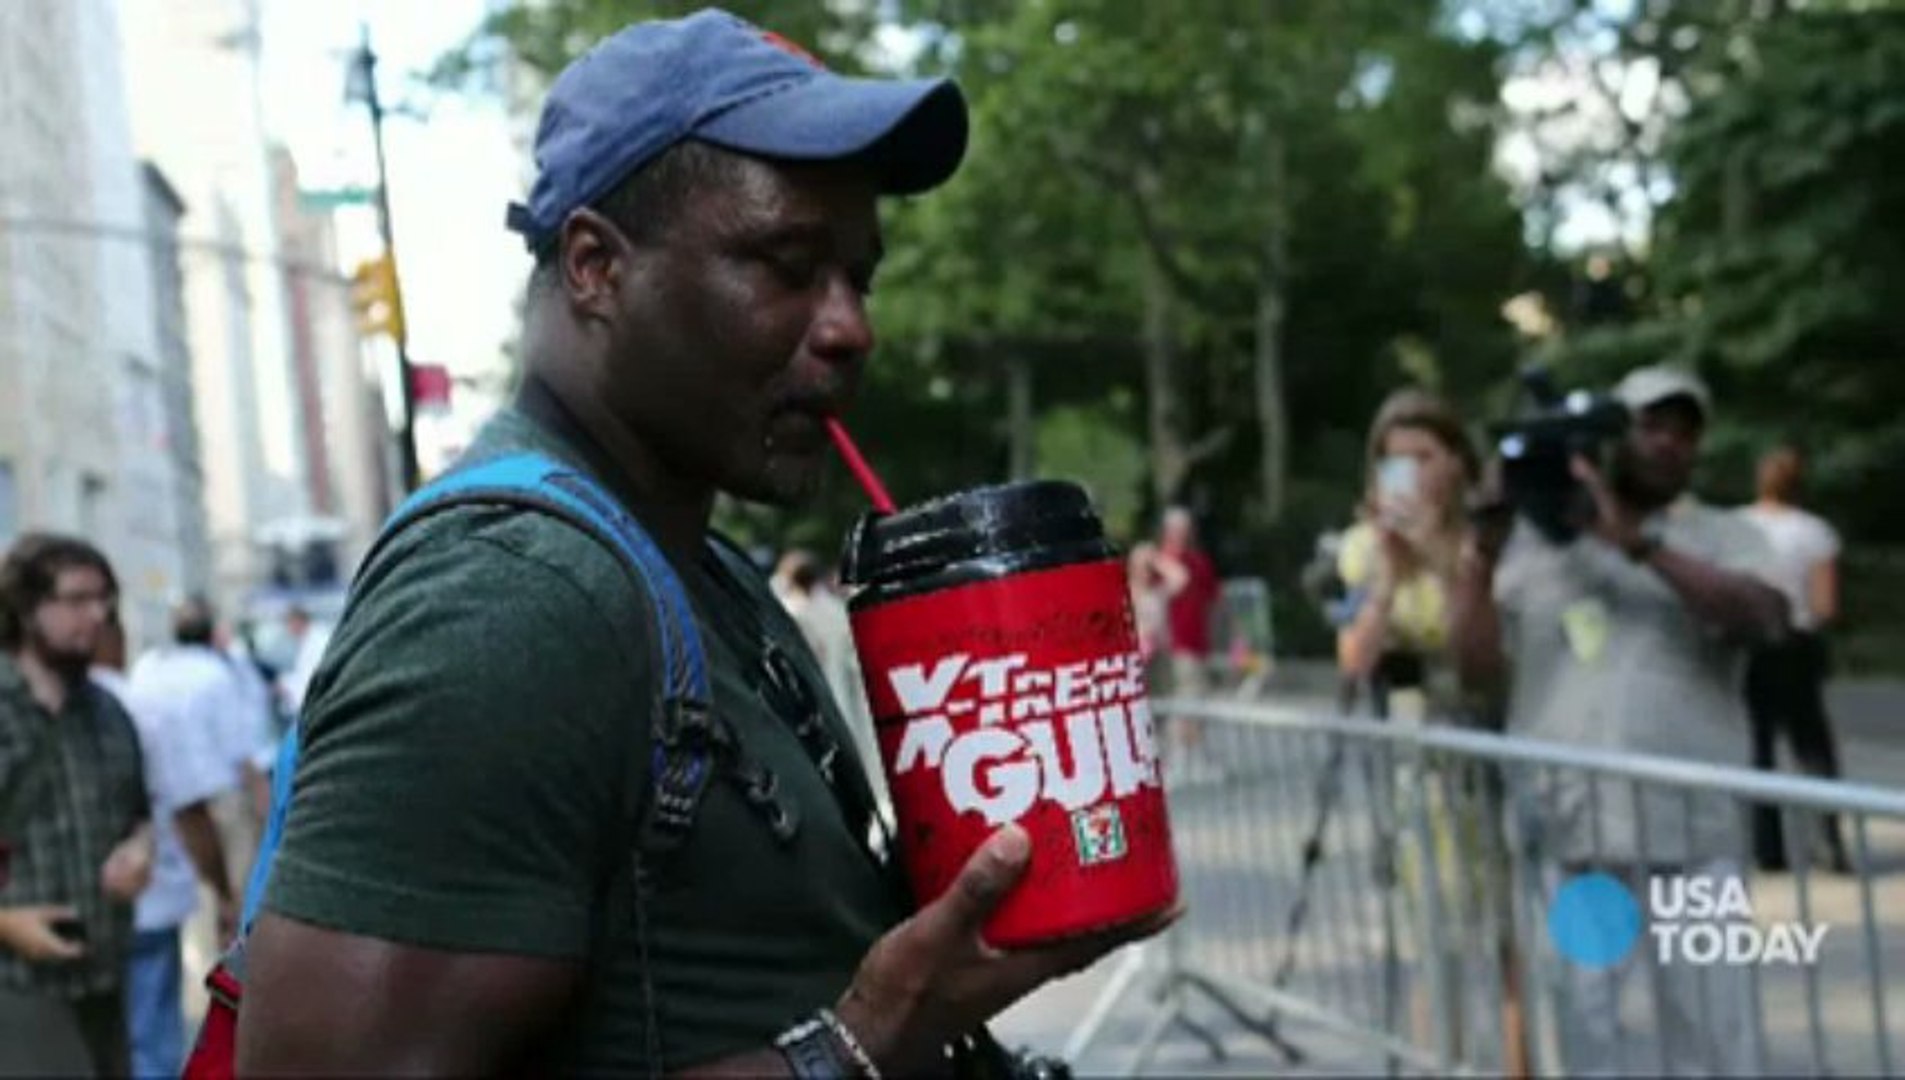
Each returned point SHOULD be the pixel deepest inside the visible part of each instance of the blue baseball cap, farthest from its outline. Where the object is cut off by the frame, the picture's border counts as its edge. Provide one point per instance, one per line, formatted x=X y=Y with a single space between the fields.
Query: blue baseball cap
x=719 y=79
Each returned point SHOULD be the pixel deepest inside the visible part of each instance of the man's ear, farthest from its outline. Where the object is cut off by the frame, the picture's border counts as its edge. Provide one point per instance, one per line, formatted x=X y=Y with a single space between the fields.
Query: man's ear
x=593 y=257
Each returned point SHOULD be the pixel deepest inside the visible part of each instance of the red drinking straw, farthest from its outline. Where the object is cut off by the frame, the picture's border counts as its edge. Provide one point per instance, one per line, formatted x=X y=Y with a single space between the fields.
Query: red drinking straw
x=857 y=465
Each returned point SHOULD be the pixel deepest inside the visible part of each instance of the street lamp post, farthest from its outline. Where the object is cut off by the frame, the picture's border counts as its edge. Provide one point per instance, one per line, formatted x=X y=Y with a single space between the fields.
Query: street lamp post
x=361 y=85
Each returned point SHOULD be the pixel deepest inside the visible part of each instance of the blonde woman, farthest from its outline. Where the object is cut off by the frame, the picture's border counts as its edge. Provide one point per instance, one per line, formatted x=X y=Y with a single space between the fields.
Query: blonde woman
x=1399 y=560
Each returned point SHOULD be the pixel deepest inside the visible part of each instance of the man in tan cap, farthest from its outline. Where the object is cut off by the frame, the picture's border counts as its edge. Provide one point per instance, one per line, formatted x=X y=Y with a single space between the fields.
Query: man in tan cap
x=1632 y=638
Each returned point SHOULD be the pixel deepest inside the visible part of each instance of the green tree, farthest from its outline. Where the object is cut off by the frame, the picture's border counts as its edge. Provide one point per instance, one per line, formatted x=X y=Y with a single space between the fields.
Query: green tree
x=1215 y=232
x=1772 y=263
x=1305 y=152
x=544 y=35
x=1780 y=261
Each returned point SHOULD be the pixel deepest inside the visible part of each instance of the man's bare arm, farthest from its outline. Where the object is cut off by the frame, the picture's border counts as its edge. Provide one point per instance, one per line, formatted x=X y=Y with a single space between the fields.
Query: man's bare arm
x=198 y=835
x=1822 y=592
x=324 y=1002
x=1738 y=604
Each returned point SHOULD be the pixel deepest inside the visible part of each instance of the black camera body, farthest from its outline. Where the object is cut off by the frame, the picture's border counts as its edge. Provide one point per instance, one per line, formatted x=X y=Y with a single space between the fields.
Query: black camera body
x=1537 y=449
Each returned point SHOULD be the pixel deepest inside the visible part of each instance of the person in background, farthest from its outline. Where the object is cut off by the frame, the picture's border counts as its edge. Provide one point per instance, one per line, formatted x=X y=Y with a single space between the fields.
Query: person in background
x=1398 y=561
x=1189 y=581
x=796 y=584
x=1148 y=606
x=108 y=670
x=251 y=739
x=183 y=772
x=1397 y=568
x=74 y=817
x=1631 y=637
x=816 y=609
x=309 y=641
x=1786 y=681
x=198 y=692
x=297 y=623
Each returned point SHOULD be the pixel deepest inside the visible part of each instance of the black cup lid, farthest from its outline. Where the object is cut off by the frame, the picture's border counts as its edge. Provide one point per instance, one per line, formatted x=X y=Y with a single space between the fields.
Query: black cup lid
x=1002 y=520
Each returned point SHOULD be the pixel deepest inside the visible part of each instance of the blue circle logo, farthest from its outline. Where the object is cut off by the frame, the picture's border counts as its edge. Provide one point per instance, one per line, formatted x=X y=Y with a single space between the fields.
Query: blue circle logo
x=1594 y=921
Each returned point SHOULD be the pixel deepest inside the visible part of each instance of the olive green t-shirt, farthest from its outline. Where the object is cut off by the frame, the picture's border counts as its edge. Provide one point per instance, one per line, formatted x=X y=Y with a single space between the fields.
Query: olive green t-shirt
x=466 y=750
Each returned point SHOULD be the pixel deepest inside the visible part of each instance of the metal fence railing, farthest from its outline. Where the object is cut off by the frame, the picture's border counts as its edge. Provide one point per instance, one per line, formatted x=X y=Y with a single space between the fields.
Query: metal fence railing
x=1372 y=897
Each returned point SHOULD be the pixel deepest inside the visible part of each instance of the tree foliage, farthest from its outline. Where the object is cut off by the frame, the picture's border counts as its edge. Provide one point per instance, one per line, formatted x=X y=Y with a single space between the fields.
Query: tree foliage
x=1212 y=235
x=542 y=36
x=1337 y=153
x=1782 y=260
x=1775 y=265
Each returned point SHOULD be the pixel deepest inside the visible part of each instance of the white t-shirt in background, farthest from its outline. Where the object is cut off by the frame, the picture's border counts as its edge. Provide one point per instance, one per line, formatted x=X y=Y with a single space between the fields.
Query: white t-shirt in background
x=294 y=684
x=1800 y=542
x=173 y=707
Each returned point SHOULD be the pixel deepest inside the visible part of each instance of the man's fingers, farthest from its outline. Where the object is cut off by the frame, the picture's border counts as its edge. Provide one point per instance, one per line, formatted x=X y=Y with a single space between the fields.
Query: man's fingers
x=61 y=949
x=986 y=879
x=37 y=940
x=1151 y=924
x=45 y=914
x=1066 y=957
x=1071 y=956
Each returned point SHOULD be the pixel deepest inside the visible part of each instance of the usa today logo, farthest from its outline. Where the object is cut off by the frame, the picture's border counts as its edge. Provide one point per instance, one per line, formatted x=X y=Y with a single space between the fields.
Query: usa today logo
x=1596 y=922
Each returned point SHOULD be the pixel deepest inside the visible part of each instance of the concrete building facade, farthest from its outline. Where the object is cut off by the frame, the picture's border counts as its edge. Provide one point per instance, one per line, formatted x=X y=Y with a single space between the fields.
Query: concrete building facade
x=53 y=361
x=80 y=371
x=348 y=447
x=164 y=213
x=197 y=115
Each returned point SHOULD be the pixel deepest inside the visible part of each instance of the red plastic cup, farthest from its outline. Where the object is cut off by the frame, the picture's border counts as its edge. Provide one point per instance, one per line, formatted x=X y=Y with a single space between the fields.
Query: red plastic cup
x=1000 y=655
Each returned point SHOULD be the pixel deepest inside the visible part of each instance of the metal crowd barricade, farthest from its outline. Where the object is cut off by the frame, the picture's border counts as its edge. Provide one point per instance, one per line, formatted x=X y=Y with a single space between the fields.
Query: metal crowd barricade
x=1370 y=898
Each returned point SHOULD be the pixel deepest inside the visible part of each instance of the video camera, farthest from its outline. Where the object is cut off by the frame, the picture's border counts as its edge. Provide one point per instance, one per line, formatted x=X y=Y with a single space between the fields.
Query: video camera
x=1537 y=447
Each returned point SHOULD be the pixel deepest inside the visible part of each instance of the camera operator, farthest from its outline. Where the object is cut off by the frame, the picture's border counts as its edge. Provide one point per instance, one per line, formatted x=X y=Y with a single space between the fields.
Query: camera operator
x=1630 y=637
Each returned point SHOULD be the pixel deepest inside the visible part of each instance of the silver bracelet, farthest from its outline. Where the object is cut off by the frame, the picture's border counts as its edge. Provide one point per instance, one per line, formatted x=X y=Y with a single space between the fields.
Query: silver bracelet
x=845 y=1034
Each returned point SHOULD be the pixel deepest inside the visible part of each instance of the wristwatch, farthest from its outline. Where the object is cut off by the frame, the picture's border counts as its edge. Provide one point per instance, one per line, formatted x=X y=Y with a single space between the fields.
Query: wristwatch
x=813 y=1053
x=822 y=1048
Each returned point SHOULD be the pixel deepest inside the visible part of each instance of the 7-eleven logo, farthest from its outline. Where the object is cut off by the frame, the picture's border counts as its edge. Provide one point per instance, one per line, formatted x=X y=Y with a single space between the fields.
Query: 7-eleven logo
x=1099 y=832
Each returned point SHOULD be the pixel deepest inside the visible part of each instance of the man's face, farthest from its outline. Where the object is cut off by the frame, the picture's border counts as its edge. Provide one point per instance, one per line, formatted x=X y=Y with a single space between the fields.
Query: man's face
x=1656 y=460
x=67 y=627
x=744 y=325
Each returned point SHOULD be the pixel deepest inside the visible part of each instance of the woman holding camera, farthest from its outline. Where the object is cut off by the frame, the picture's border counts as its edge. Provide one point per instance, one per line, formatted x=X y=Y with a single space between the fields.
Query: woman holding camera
x=1399 y=560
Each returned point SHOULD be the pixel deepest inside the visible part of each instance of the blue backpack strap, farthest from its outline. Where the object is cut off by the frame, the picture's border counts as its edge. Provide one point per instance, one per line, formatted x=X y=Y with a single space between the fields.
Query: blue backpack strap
x=535 y=480
x=281 y=770
x=684 y=735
